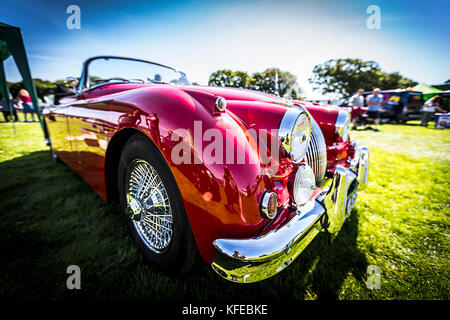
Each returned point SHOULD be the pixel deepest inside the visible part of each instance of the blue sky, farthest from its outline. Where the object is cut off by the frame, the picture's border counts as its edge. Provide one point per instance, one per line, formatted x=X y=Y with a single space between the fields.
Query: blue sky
x=200 y=37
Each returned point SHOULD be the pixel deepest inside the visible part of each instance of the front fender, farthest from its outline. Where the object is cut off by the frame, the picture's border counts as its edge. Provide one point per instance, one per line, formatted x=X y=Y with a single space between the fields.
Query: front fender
x=221 y=199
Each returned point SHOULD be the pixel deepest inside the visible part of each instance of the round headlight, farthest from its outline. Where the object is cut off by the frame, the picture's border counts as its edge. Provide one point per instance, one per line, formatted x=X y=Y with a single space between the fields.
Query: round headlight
x=294 y=133
x=304 y=184
x=343 y=124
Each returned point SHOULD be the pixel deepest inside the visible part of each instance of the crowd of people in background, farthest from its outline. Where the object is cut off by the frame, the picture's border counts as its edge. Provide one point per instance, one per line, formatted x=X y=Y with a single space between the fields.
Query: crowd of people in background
x=374 y=102
x=22 y=103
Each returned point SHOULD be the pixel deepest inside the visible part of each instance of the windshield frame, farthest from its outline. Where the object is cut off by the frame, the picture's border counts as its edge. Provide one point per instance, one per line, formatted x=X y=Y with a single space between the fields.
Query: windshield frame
x=85 y=71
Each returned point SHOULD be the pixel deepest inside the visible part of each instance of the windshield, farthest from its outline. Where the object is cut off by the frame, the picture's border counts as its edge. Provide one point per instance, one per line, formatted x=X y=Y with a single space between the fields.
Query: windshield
x=106 y=70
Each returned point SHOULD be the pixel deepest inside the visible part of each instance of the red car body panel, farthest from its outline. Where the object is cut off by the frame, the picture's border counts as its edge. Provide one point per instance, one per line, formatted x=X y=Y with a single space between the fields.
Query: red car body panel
x=221 y=200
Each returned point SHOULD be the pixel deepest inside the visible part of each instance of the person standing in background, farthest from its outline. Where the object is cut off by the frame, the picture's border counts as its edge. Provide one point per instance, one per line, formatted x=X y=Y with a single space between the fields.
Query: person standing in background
x=356 y=102
x=429 y=109
x=27 y=106
x=374 y=106
x=6 y=109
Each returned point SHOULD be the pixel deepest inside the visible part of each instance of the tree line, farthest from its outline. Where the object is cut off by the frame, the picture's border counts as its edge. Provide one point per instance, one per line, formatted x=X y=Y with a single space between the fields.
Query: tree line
x=43 y=87
x=346 y=76
x=337 y=76
x=260 y=81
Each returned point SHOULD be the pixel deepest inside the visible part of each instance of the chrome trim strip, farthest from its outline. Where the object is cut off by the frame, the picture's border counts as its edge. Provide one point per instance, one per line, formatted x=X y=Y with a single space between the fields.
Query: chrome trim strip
x=363 y=168
x=336 y=203
x=316 y=153
x=357 y=155
x=351 y=177
x=360 y=164
x=282 y=102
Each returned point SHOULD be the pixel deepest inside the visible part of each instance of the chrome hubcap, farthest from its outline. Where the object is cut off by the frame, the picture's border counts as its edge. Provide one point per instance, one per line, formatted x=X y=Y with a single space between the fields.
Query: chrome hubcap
x=148 y=206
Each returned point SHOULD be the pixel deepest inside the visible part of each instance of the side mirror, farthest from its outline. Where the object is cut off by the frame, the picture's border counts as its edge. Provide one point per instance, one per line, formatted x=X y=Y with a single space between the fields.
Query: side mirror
x=73 y=82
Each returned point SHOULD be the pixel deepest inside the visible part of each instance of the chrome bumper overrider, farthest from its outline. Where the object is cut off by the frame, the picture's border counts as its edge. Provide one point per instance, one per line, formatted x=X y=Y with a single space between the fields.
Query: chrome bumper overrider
x=256 y=259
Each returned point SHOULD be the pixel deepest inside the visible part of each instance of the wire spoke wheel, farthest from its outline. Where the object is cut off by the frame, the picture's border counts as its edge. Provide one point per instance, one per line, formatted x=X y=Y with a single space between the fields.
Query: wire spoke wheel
x=153 y=208
x=148 y=206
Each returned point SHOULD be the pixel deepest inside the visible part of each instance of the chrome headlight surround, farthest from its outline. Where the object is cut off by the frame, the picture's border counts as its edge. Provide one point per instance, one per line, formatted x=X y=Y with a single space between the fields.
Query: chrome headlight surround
x=342 y=125
x=269 y=205
x=295 y=132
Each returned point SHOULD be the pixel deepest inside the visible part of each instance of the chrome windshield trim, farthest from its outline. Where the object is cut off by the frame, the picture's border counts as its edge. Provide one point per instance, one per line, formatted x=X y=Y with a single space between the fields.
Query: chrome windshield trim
x=85 y=75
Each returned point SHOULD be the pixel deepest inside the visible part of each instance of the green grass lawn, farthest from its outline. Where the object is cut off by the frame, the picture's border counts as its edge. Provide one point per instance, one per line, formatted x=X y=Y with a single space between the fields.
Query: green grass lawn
x=50 y=219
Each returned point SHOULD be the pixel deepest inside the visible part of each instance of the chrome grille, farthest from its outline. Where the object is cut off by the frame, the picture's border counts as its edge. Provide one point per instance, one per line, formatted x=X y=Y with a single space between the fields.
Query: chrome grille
x=316 y=155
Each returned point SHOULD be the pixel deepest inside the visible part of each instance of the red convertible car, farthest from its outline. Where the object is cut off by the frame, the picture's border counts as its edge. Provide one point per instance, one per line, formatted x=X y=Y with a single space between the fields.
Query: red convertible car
x=243 y=179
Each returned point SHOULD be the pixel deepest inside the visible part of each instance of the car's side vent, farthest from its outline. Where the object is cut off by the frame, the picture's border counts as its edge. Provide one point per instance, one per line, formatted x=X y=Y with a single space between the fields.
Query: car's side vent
x=316 y=155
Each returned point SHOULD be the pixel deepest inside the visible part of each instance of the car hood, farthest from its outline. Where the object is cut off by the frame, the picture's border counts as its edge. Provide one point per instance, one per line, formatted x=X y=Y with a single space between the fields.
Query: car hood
x=237 y=94
x=254 y=109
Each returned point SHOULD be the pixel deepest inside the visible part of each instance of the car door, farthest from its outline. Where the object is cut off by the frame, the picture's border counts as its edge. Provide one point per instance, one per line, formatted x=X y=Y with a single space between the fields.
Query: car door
x=89 y=125
x=57 y=121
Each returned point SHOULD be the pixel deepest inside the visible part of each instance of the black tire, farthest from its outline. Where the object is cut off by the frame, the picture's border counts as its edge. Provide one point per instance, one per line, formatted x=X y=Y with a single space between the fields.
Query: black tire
x=181 y=255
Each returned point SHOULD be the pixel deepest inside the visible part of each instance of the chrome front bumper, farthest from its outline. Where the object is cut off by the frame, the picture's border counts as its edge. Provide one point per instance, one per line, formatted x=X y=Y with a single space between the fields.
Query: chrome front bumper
x=256 y=259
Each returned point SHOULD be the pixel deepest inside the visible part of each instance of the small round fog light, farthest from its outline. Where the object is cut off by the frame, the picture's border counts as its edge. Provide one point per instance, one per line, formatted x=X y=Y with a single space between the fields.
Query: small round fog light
x=269 y=204
x=304 y=184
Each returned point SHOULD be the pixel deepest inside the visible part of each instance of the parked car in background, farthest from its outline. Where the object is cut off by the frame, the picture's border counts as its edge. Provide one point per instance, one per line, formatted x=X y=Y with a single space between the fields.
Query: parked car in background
x=130 y=123
x=399 y=105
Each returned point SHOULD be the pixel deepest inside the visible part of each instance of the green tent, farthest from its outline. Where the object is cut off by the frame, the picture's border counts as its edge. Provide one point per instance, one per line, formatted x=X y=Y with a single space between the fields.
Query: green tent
x=11 y=44
x=427 y=91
